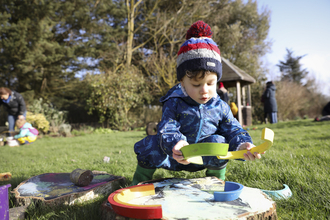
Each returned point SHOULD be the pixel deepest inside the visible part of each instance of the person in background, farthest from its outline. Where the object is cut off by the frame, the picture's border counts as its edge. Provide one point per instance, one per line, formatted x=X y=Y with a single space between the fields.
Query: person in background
x=27 y=134
x=234 y=109
x=326 y=110
x=193 y=113
x=270 y=104
x=15 y=105
x=223 y=93
x=325 y=113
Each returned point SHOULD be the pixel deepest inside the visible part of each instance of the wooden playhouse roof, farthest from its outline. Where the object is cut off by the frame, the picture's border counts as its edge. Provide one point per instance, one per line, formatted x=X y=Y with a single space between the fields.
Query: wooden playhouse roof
x=231 y=74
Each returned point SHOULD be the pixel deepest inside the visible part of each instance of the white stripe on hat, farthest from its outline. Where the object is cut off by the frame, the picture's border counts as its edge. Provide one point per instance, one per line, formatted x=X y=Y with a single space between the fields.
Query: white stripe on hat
x=198 y=53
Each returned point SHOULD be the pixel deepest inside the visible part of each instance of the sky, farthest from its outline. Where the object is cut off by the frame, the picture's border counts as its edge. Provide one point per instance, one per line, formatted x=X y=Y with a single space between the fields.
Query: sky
x=302 y=26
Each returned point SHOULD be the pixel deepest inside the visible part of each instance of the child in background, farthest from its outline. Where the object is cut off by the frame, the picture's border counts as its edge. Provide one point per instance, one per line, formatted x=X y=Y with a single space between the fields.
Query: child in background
x=234 y=109
x=27 y=134
x=193 y=113
x=223 y=92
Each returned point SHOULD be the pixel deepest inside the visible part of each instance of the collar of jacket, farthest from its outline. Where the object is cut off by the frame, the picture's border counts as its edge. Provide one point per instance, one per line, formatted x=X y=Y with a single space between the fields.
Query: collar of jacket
x=8 y=100
x=176 y=92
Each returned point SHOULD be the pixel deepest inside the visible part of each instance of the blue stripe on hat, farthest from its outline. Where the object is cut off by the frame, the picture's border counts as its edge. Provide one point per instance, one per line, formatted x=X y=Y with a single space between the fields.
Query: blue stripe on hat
x=210 y=64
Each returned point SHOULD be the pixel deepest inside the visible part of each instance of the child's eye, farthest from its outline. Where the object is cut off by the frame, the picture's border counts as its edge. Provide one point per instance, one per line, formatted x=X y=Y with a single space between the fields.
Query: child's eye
x=195 y=85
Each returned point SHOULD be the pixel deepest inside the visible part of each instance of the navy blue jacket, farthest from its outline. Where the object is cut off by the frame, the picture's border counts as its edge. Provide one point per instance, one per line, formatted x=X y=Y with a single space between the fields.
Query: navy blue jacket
x=185 y=119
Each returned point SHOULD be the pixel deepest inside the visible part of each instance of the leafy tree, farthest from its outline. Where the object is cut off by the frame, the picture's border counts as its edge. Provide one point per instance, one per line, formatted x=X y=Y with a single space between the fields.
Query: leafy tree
x=44 y=43
x=163 y=35
x=241 y=32
x=291 y=68
x=114 y=93
x=239 y=29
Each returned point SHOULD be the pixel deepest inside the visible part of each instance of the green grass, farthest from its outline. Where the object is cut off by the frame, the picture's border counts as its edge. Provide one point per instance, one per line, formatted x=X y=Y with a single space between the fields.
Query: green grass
x=300 y=158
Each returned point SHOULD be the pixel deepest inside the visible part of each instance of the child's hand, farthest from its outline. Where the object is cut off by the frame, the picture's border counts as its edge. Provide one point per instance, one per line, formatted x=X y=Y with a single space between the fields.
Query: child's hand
x=177 y=154
x=249 y=156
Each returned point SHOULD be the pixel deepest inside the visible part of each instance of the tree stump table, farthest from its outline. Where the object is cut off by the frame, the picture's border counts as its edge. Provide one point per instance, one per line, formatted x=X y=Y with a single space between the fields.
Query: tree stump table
x=57 y=188
x=187 y=199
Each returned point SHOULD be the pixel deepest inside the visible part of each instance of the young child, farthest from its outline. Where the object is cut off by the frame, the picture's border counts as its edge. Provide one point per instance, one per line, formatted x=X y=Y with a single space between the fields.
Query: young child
x=27 y=134
x=193 y=113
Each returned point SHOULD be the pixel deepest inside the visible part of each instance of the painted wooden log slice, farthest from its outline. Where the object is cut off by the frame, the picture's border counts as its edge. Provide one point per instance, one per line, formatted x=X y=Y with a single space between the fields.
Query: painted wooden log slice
x=190 y=199
x=57 y=188
x=81 y=177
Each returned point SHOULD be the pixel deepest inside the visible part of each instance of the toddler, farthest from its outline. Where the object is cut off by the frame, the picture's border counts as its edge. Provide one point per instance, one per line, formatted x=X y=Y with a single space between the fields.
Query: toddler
x=27 y=134
x=193 y=113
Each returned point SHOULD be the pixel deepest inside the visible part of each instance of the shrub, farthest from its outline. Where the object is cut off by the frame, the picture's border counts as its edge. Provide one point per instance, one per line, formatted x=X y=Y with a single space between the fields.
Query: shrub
x=53 y=115
x=103 y=131
x=114 y=93
x=38 y=121
x=295 y=100
x=75 y=132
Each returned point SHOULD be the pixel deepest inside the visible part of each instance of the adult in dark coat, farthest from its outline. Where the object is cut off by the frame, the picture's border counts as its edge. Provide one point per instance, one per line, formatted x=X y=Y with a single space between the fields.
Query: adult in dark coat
x=326 y=109
x=14 y=102
x=270 y=104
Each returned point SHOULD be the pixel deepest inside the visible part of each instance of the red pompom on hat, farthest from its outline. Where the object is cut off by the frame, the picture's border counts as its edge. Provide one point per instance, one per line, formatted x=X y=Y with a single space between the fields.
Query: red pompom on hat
x=199 y=29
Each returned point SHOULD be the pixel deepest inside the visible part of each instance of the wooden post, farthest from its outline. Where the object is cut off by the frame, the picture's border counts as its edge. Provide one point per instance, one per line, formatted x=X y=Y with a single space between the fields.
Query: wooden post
x=243 y=96
x=239 y=105
x=249 y=95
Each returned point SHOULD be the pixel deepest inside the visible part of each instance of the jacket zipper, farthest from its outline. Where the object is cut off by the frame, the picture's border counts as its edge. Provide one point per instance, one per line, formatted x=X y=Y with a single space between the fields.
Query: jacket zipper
x=201 y=123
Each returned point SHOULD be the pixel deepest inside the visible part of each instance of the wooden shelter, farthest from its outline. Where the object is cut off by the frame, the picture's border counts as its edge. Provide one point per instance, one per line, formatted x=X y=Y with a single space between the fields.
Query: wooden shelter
x=232 y=76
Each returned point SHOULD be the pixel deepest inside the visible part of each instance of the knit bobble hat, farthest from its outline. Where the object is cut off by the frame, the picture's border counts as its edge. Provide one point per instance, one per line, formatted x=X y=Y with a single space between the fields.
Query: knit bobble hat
x=199 y=52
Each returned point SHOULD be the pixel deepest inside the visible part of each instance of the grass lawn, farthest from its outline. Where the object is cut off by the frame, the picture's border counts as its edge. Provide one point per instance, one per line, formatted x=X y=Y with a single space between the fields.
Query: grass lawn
x=300 y=158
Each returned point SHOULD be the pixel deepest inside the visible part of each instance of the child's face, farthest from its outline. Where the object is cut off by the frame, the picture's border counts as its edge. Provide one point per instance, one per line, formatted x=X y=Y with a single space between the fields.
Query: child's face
x=5 y=96
x=20 y=123
x=200 y=89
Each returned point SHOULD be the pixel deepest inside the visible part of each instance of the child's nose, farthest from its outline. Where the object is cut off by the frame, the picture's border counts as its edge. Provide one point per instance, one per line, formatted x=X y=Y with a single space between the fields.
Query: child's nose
x=204 y=89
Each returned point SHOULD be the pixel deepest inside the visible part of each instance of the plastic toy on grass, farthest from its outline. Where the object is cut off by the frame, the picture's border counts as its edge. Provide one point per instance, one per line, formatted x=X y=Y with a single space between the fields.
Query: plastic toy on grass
x=5 y=176
x=194 y=152
x=4 y=202
x=11 y=142
x=284 y=193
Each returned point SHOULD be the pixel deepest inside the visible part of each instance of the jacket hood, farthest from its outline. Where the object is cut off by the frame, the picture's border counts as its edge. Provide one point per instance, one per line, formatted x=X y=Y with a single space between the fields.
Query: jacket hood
x=6 y=100
x=272 y=87
x=27 y=125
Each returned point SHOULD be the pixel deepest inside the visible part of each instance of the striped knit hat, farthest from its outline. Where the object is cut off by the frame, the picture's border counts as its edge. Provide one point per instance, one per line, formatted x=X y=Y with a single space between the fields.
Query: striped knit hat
x=199 y=52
